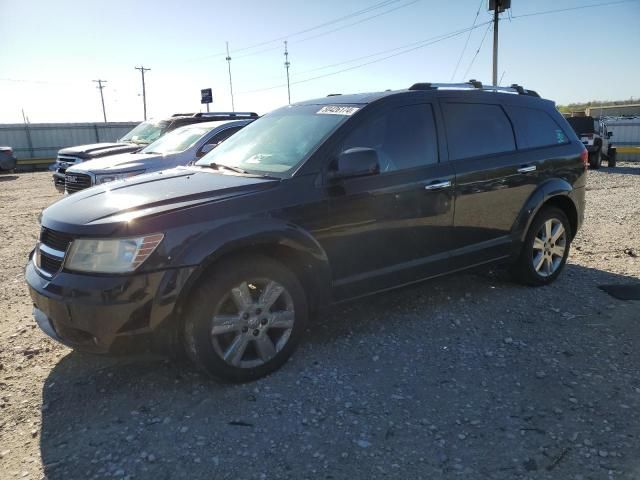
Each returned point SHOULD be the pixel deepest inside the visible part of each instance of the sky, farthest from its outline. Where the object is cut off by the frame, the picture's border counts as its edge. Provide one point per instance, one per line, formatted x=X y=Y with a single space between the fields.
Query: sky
x=51 y=51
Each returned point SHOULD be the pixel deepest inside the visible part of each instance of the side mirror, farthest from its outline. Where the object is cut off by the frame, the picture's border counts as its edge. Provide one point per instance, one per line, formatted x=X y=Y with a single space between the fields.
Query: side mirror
x=609 y=134
x=206 y=149
x=356 y=162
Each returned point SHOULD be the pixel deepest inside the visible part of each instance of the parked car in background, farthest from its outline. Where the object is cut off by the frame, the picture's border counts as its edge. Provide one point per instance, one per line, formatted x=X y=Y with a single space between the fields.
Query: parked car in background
x=320 y=201
x=142 y=135
x=7 y=159
x=178 y=147
x=596 y=138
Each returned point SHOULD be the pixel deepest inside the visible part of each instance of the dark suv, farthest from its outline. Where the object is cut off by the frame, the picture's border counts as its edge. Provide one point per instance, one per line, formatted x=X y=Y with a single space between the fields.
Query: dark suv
x=314 y=203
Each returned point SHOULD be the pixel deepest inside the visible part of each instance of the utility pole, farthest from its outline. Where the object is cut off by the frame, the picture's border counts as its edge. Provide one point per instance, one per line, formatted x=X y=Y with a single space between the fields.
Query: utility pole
x=286 y=66
x=233 y=108
x=496 y=20
x=498 y=6
x=100 y=87
x=144 y=91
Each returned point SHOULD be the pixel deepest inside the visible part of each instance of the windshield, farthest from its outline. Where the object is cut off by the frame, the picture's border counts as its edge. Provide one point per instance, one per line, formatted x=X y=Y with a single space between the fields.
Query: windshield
x=582 y=124
x=145 y=133
x=178 y=140
x=279 y=141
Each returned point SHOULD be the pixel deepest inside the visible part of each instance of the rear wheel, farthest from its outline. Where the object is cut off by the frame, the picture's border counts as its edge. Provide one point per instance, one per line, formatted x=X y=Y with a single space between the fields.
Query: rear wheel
x=246 y=319
x=595 y=159
x=545 y=249
x=611 y=155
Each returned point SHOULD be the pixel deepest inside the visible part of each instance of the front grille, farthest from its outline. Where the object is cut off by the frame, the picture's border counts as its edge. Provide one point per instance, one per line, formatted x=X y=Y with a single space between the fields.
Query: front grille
x=74 y=182
x=49 y=264
x=56 y=240
x=67 y=159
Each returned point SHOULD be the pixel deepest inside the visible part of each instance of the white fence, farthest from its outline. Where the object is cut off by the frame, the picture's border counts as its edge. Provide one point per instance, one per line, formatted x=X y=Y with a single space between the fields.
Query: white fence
x=43 y=140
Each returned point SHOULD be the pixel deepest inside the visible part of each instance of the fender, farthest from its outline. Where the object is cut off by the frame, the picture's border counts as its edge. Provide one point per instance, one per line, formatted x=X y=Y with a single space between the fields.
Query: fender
x=554 y=187
x=262 y=234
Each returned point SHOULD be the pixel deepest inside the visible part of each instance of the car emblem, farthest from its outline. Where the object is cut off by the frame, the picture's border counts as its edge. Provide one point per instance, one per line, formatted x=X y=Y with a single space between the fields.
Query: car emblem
x=72 y=179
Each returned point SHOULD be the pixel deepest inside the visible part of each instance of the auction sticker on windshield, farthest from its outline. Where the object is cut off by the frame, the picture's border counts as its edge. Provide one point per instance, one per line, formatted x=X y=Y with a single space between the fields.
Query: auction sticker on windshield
x=338 y=110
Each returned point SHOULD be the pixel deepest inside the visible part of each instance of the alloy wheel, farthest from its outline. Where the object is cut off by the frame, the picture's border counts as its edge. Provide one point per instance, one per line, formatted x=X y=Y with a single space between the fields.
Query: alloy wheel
x=549 y=246
x=252 y=323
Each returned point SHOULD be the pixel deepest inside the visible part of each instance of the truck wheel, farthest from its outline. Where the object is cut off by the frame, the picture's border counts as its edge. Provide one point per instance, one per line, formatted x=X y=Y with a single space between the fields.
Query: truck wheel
x=595 y=159
x=545 y=248
x=612 y=154
x=245 y=319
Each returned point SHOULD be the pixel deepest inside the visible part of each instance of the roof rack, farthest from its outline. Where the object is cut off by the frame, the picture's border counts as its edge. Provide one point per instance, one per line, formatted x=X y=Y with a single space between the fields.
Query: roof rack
x=475 y=85
x=182 y=115
x=229 y=115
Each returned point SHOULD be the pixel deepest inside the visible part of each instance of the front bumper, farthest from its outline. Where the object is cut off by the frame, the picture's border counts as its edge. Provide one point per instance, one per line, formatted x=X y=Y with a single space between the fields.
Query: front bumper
x=58 y=181
x=100 y=314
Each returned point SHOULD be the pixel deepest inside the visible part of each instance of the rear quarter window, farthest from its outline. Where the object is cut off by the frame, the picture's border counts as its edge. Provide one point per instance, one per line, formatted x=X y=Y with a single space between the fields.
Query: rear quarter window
x=535 y=128
x=475 y=129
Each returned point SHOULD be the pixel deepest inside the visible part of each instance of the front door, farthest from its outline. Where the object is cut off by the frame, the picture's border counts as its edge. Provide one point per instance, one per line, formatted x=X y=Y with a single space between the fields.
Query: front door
x=394 y=227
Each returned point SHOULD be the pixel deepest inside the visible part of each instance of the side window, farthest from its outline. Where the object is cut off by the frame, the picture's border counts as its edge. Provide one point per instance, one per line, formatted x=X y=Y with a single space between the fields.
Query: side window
x=405 y=137
x=223 y=135
x=477 y=129
x=535 y=128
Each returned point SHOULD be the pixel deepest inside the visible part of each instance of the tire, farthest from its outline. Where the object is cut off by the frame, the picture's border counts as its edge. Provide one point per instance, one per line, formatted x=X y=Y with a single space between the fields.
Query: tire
x=255 y=342
x=612 y=156
x=595 y=159
x=524 y=269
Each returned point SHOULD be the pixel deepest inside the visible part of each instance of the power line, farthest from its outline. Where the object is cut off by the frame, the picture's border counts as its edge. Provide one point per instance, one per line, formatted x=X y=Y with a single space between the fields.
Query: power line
x=359 y=21
x=100 y=87
x=478 y=50
x=316 y=27
x=532 y=14
x=422 y=44
x=363 y=11
x=144 y=90
x=342 y=27
x=464 y=49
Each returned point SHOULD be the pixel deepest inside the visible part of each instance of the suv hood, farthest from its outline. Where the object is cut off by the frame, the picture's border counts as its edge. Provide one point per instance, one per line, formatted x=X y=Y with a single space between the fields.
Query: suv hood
x=96 y=150
x=122 y=163
x=103 y=209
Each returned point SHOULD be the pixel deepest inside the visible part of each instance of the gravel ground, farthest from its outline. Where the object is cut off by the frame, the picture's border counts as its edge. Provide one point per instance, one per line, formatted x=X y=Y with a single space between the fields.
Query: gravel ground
x=469 y=376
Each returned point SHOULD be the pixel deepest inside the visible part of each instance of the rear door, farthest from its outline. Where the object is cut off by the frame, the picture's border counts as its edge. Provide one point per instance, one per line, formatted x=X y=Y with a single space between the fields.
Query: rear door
x=493 y=181
x=393 y=227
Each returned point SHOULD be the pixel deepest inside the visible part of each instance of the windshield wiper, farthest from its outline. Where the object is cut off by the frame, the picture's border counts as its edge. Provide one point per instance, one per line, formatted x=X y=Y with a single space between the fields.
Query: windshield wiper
x=220 y=166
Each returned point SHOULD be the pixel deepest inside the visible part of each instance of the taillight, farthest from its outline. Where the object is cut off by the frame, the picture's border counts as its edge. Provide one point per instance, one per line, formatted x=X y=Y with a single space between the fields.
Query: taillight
x=584 y=156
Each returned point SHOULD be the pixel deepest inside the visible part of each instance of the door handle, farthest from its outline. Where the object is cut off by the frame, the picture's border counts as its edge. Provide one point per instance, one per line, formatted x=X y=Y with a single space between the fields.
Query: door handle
x=527 y=169
x=437 y=185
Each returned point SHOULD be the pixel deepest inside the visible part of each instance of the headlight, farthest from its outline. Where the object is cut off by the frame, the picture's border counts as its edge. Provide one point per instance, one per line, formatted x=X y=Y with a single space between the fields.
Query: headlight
x=111 y=255
x=111 y=177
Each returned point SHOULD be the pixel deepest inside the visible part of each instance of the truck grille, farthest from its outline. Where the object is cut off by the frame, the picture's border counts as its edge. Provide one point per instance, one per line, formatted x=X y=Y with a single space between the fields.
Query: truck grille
x=49 y=264
x=74 y=182
x=54 y=240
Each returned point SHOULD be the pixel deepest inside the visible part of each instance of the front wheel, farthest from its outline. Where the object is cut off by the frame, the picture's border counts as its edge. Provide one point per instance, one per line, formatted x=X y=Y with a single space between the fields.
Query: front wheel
x=246 y=319
x=545 y=249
